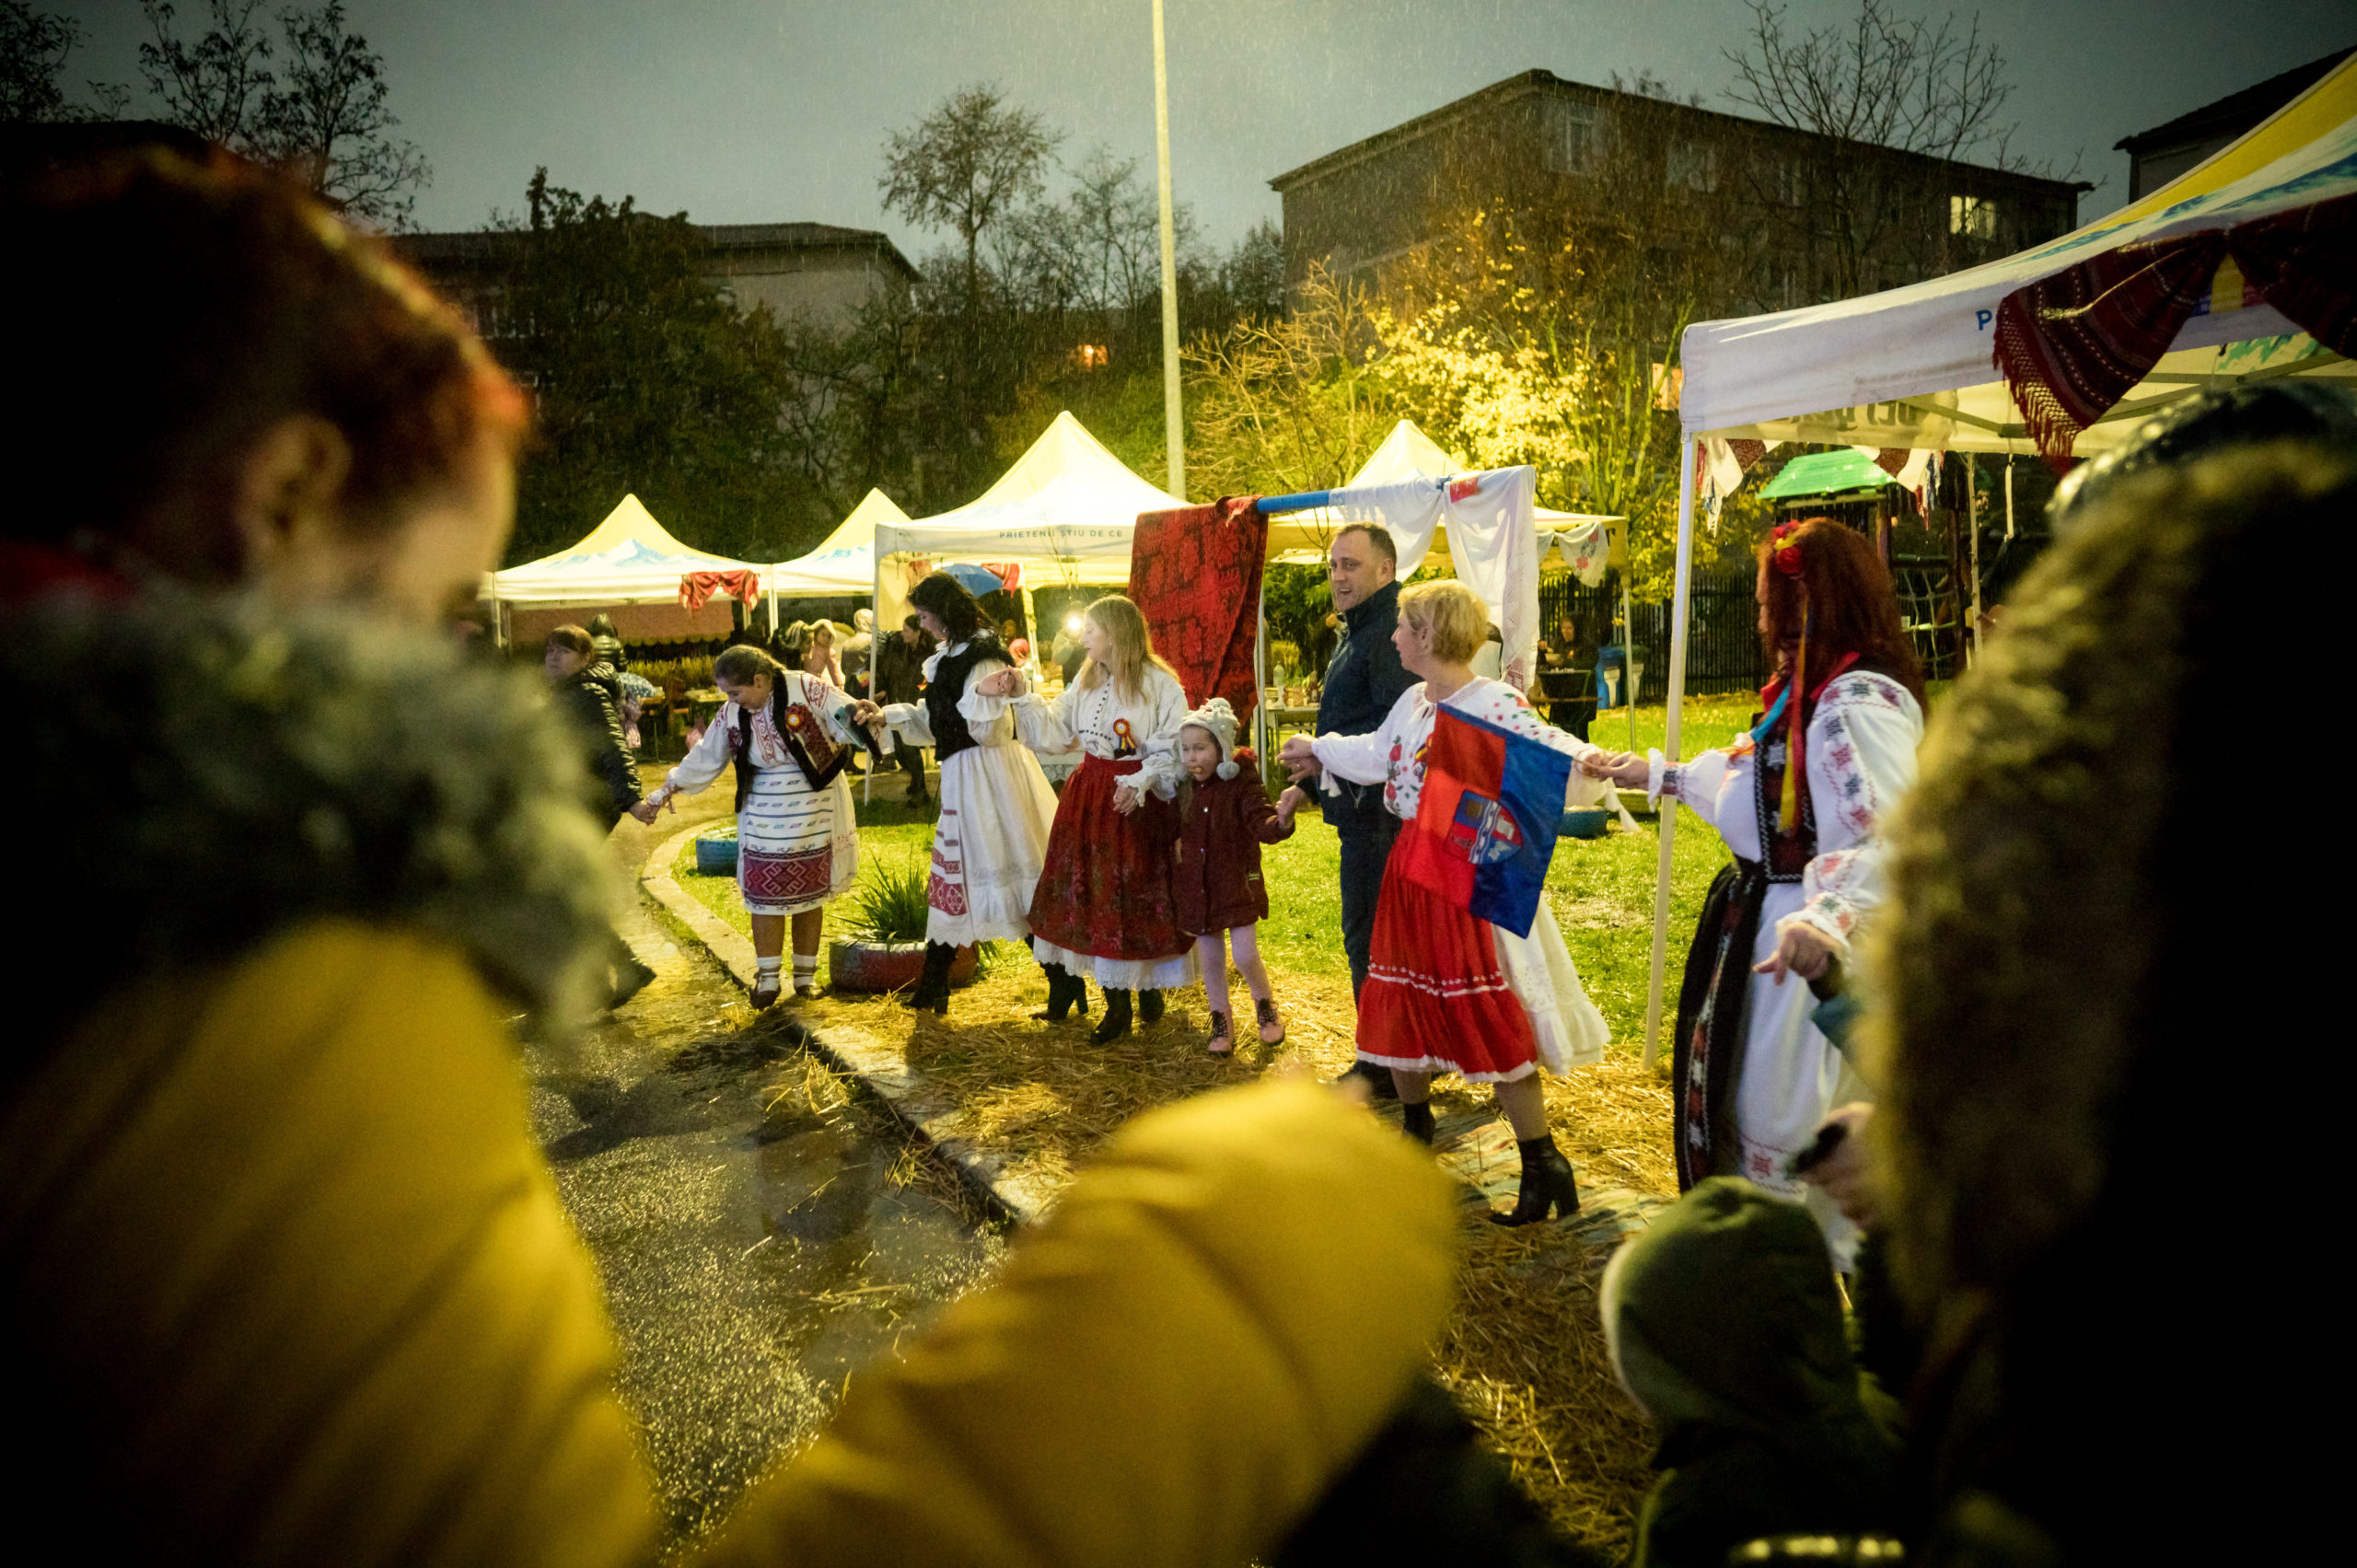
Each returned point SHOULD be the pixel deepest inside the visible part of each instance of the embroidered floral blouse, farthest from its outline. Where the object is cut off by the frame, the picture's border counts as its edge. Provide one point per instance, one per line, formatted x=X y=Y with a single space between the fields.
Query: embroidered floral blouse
x=1393 y=755
x=1102 y=723
x=988 y=719
x=1861 y=758
x=809 y=700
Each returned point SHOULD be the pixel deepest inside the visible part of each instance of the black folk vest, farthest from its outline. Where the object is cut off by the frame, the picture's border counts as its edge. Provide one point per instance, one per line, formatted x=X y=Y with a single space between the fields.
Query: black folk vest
x=949 y=687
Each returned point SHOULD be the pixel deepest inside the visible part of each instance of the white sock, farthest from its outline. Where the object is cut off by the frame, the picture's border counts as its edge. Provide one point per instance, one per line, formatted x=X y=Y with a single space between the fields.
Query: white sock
x=806 y=969
x=765 y=970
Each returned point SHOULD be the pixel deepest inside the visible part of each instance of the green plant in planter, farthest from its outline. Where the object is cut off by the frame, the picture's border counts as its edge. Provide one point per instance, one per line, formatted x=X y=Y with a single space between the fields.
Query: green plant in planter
x=890 y=905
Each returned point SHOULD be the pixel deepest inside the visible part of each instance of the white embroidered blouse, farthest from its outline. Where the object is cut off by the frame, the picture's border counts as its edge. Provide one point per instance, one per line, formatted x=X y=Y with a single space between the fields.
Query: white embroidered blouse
x=1103 y=722
x=1860 y=758
x=805 y=693
x=1393 y=755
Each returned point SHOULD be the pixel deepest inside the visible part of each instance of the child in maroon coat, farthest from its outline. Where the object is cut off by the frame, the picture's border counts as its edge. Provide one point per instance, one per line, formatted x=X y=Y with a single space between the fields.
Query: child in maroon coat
x=1224 y=818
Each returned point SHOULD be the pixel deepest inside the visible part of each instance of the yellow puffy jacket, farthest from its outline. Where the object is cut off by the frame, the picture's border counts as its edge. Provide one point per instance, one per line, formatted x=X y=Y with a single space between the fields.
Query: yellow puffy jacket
x=289 y=1282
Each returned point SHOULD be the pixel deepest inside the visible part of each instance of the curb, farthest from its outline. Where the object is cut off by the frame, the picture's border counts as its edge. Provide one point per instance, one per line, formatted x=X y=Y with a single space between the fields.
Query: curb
x=922 y=1108
x=1478 y=1151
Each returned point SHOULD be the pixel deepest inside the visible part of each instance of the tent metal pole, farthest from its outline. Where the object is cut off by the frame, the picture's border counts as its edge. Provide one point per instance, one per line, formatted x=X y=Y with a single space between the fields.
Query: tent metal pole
x=1972 y=521
x=1668 y=818
x=1628 y=657
x=1261 y=680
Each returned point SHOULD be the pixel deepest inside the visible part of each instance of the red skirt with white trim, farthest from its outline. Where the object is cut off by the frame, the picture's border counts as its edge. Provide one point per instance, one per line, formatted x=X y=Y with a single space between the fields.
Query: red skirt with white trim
x=1105 y=891
x=1437 y=999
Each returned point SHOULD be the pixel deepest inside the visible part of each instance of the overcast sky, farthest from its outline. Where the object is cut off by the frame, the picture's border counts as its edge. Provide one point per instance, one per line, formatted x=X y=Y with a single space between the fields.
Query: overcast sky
x=772 y=111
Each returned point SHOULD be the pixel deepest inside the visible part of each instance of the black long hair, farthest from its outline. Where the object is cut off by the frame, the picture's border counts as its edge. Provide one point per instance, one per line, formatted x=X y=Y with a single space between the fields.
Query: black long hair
x=959 y=612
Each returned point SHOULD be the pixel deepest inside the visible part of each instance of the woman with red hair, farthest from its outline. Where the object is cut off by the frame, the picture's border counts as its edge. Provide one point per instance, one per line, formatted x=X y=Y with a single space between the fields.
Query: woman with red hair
x=1800 y=800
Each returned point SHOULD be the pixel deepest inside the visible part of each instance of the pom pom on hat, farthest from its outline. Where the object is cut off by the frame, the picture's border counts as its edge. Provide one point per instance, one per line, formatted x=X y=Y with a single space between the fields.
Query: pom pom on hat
x=1217 y=719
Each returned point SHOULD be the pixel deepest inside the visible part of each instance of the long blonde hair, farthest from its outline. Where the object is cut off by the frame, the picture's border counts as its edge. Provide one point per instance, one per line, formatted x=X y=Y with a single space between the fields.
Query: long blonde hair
x=1132 y=649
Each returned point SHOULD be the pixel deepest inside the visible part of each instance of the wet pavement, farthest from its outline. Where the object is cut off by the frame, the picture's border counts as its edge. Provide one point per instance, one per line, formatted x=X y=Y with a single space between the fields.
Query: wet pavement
x=758 y=1234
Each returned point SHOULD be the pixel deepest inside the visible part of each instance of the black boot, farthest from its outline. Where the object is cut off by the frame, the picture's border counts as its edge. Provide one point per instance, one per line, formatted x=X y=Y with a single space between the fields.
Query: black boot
x=1547 y=1183
x=933 y=986
x=1149 y=1006
x=1064 y=988
x=1116 y=1022
x=1416 y=1120
x=1379 y=1079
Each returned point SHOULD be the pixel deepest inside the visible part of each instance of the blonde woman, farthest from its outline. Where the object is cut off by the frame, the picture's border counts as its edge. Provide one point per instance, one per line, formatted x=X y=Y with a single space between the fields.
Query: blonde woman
x=1447 y=991
x=1103 y=907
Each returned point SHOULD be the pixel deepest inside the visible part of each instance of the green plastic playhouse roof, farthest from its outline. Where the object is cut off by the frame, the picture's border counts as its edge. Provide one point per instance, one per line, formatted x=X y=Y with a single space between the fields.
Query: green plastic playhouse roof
x=1827 y=473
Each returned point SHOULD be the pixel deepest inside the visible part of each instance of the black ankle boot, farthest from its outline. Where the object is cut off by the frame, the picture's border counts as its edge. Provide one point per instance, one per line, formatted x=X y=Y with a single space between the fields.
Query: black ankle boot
x=1416 y=1120
x=1378 y=1076
x=1547 y=1184
x=933 y=986
x=1062 y=986
x=1116 y=1022
x=1149 y=1006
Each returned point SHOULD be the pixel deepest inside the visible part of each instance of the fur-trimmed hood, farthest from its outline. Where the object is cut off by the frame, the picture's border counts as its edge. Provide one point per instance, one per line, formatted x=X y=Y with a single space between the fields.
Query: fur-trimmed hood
x=240 y=774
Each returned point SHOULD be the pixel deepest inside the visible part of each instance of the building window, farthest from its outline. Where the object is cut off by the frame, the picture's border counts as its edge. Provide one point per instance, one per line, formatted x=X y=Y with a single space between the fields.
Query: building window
x=1973 y=216
x=1788 y=182
x=1693 y=167
x=1572 y=136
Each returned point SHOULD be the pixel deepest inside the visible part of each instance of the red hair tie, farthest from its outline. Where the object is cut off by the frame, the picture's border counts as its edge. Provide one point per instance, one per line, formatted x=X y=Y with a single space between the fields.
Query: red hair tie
x=1784 y=548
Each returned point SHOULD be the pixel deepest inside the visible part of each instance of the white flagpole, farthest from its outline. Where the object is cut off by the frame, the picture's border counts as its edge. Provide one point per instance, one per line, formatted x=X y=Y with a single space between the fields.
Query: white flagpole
x=1173 y=423
x=1668 y=818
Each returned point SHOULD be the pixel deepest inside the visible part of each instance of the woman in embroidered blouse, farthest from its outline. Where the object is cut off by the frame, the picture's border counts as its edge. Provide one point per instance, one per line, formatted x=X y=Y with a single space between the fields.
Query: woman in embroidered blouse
x=1754 y=1077
x=1104 y=905
x=797 y=843
x=991 y=836
x=1447 y=991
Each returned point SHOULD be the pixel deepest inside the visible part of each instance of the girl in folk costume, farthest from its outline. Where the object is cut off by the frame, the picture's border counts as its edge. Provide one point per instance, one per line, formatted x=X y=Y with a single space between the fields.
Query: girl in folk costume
x=995 y=804
x=1103 y=907
x=1800 y=801
x=1446 y=991
x=1224 y=818
x=797 y=843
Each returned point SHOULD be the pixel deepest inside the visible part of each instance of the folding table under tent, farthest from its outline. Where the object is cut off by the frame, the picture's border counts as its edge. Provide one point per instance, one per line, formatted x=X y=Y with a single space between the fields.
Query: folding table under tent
x=627 y=559
x=2228 y=253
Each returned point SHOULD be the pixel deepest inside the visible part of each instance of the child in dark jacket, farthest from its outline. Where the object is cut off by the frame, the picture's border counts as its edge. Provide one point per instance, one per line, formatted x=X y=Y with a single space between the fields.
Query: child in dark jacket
x=1224 y=818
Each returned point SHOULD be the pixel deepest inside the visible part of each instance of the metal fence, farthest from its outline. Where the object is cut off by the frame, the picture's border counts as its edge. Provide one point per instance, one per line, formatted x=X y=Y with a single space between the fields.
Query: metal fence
x=1723 y=640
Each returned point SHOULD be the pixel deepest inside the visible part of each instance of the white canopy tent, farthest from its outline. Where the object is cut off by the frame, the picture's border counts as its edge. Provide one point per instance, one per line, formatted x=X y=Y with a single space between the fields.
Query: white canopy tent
x=1914 y=366
x=1300 y=539
x=627 y=559
x=1065 y=513
x=845 y=563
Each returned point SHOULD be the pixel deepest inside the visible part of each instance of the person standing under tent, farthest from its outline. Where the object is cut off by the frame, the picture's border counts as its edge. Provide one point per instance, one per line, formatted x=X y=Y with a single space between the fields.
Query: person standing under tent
x=608 y=641
x=1224 y=818
x=991 y=838
x=897 y=675
x=859 y=654
x=1754 y=1077
x=1446 y=991
x=797 y=843
x=1104 y=907
x=1364 y=682
x=585 y=689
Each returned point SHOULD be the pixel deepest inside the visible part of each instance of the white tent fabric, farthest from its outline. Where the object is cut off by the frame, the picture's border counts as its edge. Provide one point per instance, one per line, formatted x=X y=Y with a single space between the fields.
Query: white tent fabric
x=845 y=562
x=1064 y=511
x=1497 y=547
x=627 y=559
x=1300 y=539
x=1915 y=367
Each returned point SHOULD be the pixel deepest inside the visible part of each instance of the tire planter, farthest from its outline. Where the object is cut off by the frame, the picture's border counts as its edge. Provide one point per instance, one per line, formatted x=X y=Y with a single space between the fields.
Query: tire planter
x=716 y=853
x=888 y=966
x=1583 y=823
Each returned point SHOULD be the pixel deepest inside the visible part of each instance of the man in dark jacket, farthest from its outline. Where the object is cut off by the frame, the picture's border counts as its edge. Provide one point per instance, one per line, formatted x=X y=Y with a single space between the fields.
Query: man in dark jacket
x=1362 y=683
x=587 y=688
x=898 y=674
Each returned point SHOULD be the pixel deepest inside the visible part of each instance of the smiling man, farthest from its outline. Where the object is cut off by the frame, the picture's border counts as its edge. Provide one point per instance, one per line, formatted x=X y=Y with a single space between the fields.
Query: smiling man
x=1364 y=679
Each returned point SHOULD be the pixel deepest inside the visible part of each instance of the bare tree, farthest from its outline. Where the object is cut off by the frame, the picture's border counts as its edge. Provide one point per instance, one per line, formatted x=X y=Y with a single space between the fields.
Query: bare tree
x=1937 y=89
x=966 y=165
x=325 y=122
x=34 y=48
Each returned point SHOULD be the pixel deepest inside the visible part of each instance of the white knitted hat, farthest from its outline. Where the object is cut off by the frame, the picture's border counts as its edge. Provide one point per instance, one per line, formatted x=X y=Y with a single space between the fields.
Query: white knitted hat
x=1217 y=719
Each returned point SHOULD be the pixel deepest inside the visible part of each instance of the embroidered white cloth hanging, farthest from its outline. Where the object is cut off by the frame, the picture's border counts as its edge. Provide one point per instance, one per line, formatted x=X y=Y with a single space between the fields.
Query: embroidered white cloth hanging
x=1492 y=541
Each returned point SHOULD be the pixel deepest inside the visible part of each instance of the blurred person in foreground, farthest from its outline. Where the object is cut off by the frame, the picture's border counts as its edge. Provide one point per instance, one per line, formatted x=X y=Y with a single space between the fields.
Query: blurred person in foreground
x=282 y=1267
x=2063 y=1002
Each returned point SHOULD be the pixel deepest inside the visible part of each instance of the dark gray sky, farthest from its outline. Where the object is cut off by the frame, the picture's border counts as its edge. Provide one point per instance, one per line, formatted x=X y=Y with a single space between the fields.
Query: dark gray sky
x=767 y=111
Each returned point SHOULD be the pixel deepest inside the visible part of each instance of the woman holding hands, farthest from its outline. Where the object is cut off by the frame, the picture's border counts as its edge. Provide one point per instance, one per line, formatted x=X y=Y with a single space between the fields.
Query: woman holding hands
x=1446 y=990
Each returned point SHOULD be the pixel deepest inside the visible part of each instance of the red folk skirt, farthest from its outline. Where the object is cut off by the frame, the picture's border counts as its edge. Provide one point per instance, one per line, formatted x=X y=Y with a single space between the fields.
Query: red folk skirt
x=1106 y=888
x=1436 y=998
